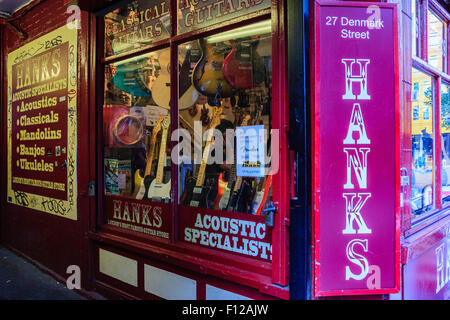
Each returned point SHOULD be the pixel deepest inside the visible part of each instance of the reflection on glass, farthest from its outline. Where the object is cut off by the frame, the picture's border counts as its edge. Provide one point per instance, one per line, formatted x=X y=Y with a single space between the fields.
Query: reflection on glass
x=435 y=40
x=136 y=123
x=445 y=145
x=139 y=23
x=225 y=84
x=422 y=146
x=195 y=14
x=415 y=26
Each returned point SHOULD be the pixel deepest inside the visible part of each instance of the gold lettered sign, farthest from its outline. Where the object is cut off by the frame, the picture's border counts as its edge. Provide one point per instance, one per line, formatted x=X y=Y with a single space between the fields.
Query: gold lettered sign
x=42 y=124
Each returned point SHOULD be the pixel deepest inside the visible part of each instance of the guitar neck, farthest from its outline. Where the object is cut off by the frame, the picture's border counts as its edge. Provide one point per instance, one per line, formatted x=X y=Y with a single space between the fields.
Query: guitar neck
x=162 y=157
x=148 y=167
x=201 y=172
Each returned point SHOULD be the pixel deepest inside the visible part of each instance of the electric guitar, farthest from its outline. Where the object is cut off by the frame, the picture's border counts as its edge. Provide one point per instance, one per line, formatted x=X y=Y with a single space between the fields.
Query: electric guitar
x=261 y=195
x=225 y=199
x=161 y=86
x=160 y=191
x=244 y=68
x=129 y=77
x=221 y=187
x=208 y=77
x=200 y=194
x=186 y=92
x=144 y=182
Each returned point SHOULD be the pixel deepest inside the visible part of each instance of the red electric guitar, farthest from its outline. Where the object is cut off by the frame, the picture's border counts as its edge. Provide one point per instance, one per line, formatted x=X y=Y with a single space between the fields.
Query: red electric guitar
x=244 y=68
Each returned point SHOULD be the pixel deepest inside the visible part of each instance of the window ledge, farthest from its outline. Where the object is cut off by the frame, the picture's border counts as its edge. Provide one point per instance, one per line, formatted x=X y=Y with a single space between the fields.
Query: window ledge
x=184 y=256
x=424 y=236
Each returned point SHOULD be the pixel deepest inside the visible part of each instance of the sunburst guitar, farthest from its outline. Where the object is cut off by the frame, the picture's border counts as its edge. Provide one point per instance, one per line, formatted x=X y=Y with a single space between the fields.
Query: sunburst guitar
x=208 y=78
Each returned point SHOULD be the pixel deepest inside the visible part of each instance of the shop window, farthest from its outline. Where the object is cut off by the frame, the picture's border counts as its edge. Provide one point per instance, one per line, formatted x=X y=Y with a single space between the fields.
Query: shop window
x=435 y=32
x=136 y=128
x=140 y=23
x=445 y=144
x=226 y=93
x=430 y=157
x=422 y=152
x=217 y=137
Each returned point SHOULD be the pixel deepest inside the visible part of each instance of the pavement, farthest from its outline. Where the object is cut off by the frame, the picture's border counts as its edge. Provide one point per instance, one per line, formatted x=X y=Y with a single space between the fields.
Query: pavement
x=21 y=280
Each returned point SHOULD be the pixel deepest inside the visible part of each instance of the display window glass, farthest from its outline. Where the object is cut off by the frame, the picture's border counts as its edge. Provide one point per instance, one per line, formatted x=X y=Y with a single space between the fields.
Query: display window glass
x=140 y=23
x=436 y=29
x=200 y=170
x=136 y=127
x=428 y=188
x=227 y=96
x=445 y=144
x=422 y=148
x=195 y=14
x=415 y=27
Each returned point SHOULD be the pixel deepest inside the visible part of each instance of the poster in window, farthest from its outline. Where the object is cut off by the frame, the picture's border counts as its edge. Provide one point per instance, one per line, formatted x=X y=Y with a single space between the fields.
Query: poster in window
x=42 y=124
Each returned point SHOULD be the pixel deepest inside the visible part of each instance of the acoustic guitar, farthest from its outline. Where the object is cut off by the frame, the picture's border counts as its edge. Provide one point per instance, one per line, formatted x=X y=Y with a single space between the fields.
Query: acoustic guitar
x=208 y=77
x=161 y=86
x=244 y=68
x=144 y=182
x=160 y=191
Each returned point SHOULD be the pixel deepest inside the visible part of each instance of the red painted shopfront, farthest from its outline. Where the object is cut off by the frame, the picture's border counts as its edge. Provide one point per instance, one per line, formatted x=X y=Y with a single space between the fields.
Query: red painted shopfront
x=252 y=149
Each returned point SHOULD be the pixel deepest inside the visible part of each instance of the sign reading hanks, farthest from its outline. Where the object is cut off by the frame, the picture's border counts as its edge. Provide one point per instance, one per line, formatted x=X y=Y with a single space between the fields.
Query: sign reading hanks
x=242 y=234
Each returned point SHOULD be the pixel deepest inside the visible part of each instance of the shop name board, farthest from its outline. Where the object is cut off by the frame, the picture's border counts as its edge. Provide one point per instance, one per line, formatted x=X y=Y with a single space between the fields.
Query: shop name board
x=241 y=234
x=42 y=140
x=197 y=14
x=150 y=218
x=356 y=183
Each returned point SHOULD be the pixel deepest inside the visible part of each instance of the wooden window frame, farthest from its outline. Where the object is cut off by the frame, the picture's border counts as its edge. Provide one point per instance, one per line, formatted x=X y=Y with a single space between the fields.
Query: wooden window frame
x=232 y=267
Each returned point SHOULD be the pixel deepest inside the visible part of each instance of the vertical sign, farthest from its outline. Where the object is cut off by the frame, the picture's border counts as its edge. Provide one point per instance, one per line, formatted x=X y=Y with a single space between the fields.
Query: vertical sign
x=356 y=149
x=42 y=124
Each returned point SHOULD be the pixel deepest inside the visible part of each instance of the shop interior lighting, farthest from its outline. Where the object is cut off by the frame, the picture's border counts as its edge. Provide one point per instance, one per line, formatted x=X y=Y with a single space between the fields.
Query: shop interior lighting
x=247 y=31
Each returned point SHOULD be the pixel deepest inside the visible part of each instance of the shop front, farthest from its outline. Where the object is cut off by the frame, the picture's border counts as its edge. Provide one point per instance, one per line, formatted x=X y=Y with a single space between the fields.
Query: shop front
x=227 y=149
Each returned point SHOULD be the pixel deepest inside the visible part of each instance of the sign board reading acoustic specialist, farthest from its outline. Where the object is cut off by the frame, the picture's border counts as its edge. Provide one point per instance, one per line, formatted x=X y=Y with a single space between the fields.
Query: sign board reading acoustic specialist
x=356 y=149
x=42 y=124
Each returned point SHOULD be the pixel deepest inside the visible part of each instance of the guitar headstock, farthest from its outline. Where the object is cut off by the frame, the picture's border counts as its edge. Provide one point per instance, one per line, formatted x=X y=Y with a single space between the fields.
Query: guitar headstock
x=166 y=122
x=157 y=126
x=246 y=118
x=215 y=119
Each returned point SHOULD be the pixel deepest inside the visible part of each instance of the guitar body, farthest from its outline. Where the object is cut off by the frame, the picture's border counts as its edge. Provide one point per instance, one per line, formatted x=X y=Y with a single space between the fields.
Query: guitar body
x=188 y=99
x=139 y=183
x=187 y=95
x=244 y=68
x=240 y=200
x=225 y=199
x=261 y=196
x=161 y=86
x=159 y=191
x=208 y=78
x=199 y=197
x=129 y=78
x=189 y=186
x=221 y=186
x=204 y=196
